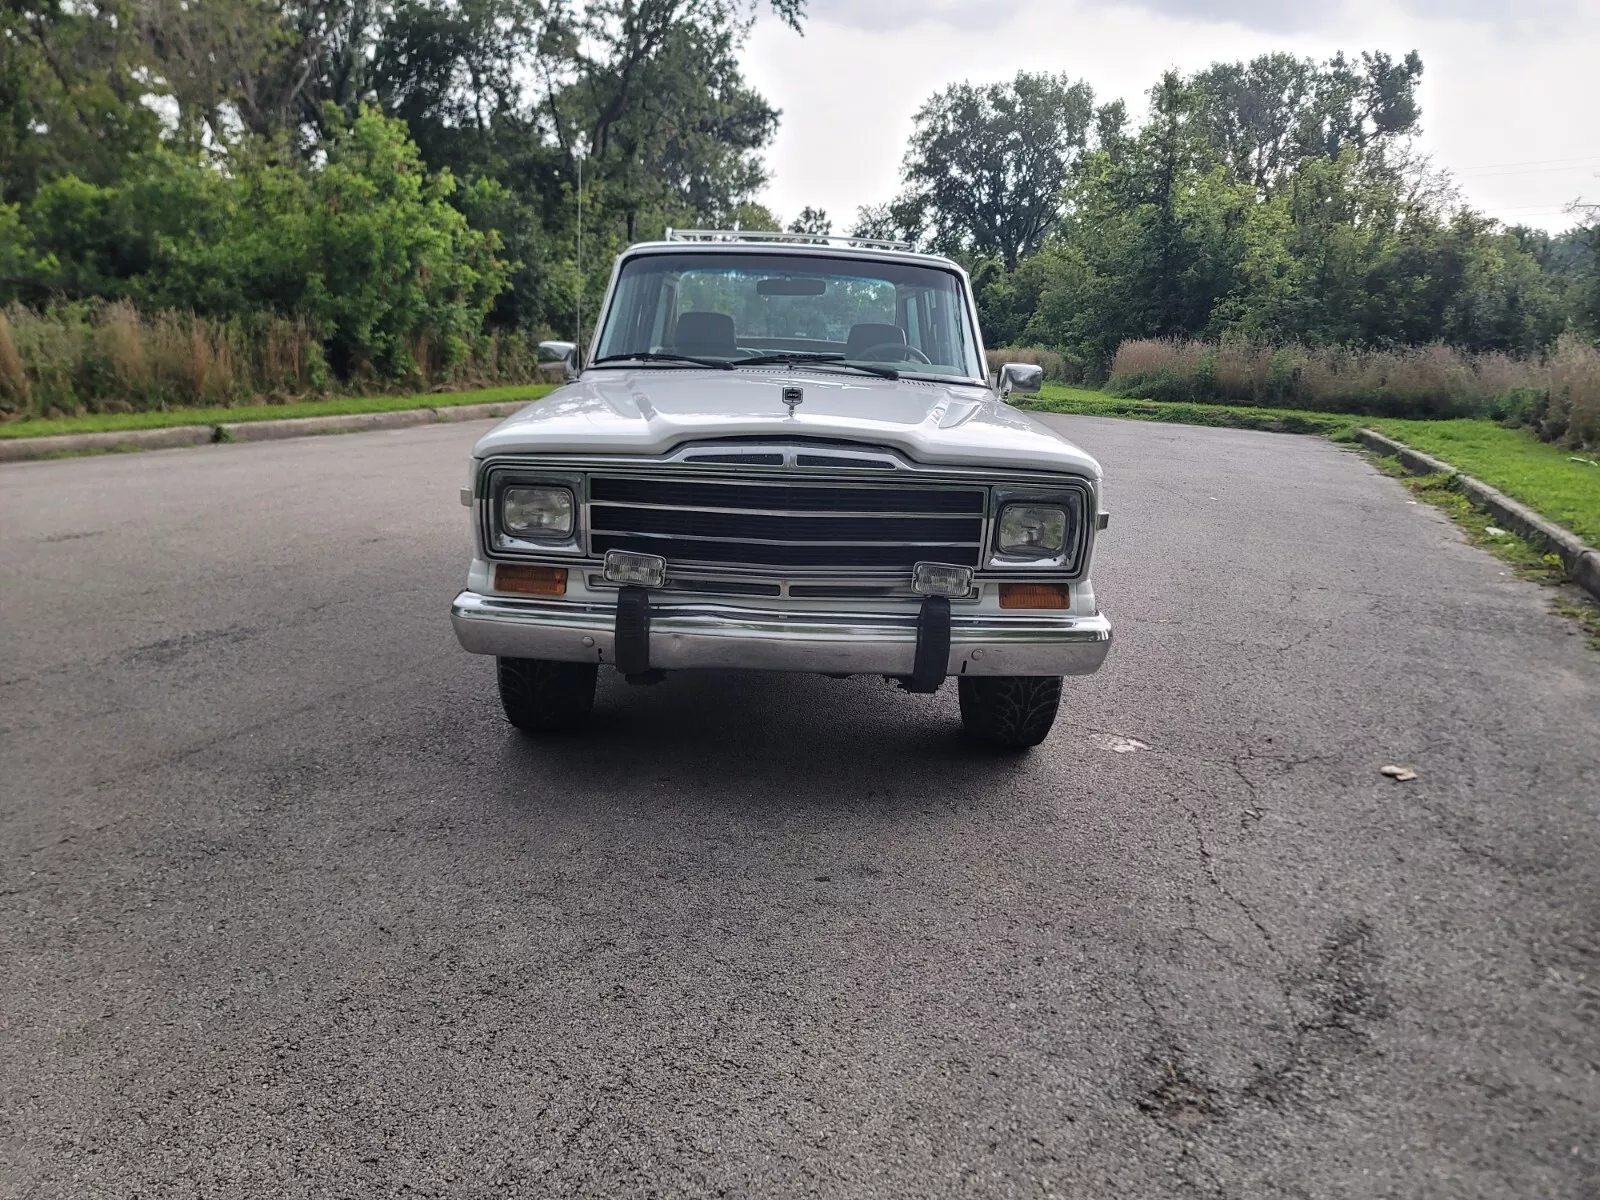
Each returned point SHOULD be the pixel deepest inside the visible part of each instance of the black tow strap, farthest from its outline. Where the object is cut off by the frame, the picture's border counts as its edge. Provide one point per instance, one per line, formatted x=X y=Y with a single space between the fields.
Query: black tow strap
x=933 y=646
x=633 y=631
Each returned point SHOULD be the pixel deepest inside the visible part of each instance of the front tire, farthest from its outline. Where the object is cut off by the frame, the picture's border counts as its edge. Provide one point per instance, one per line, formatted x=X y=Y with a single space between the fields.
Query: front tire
x=541 y=696
x=1015 y=711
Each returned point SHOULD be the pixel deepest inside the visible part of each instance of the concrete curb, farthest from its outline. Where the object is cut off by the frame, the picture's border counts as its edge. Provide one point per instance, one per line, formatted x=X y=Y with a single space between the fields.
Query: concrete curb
x=477 y=412
x=1581 y=560
x=19 y=449
x=22 y=449
x=293 y=427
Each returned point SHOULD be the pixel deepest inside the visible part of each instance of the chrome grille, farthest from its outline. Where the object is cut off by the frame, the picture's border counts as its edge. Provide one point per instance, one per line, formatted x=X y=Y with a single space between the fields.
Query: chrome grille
x=780 y=524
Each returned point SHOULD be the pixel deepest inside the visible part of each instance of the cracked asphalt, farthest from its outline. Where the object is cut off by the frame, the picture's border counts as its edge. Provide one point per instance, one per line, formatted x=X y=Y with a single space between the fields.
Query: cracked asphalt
x=287 y=910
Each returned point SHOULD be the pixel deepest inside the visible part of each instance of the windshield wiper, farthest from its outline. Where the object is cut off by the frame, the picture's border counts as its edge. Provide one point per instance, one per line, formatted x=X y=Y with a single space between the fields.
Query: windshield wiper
x=655 y=356
x=803 y=356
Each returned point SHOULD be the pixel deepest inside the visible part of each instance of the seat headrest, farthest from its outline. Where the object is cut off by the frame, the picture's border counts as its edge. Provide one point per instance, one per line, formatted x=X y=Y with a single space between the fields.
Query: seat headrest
x=866 y=335
x=705 y=333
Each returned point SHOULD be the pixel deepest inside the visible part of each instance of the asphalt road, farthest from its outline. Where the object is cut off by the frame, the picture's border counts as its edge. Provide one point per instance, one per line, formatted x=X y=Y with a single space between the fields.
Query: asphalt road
x=286 y=909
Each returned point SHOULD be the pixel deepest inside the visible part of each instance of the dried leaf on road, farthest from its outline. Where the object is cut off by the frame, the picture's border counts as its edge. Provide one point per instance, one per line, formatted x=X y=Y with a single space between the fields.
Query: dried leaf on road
x=1399 y=774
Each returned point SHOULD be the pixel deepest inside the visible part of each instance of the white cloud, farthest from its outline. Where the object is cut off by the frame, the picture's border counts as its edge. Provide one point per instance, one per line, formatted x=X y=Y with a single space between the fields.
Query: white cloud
x=1506 y=81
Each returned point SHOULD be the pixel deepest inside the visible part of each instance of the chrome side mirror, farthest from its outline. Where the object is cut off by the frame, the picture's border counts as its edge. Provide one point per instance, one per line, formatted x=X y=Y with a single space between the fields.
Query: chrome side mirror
x=1023 y=378
x=565 y=353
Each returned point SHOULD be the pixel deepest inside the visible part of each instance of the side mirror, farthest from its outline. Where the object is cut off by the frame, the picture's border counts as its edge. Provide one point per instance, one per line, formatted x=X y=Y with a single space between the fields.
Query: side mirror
x=564 y=353
x=1022 y=378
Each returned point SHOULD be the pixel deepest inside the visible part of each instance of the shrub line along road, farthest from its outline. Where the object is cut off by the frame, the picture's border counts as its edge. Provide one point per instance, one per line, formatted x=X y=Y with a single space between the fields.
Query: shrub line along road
x=287 y=910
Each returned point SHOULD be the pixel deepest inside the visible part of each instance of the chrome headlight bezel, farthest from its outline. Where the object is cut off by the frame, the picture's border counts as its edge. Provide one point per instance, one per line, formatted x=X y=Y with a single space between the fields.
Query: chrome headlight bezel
x=500 y=540
x=1073 y=503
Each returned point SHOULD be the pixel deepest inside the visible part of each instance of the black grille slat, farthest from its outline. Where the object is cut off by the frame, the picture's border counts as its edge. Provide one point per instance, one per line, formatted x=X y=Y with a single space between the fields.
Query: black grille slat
x=855 y=464
x=798 y=498
x=783 y=524
x=760 y=554
x=742 y=460
x=693 y=523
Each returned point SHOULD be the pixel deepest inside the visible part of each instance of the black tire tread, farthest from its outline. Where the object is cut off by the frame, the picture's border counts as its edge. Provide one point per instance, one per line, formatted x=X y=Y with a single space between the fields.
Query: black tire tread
x=1016 y=711
x=540 y=696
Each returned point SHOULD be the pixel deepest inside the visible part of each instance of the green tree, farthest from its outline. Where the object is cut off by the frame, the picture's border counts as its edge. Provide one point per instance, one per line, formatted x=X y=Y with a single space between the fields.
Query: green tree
x=362 y=240
x=73 y=78
x=811 y=220
x=899 y=221
x=1265 y=116
x=20 y=264
x=1173 y=222
x=212 y=56
x=750 y=215
x=1573 y=259
x=650 y=93
x=388 y=263
x=986 y=165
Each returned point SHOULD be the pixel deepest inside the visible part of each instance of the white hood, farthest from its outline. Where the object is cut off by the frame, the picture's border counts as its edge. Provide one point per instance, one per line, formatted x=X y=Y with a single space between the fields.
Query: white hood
x=652 y=411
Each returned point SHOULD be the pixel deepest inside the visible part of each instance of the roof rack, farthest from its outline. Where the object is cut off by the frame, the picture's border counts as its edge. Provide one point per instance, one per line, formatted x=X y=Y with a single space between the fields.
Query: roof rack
x=808 y=239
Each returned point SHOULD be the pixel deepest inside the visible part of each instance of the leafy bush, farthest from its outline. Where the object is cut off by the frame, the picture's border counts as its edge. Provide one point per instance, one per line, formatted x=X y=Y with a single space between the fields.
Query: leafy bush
x=362 y=247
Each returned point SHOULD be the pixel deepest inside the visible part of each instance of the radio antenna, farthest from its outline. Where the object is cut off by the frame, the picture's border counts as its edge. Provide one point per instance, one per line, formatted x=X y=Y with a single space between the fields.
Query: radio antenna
x=578 y=154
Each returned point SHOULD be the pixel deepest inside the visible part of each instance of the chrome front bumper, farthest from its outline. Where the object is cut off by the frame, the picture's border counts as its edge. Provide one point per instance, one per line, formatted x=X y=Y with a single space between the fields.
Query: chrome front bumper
x=685 y=636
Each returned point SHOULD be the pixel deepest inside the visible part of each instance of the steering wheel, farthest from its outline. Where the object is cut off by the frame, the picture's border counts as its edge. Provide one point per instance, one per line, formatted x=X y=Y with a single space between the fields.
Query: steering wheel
x=903 y=352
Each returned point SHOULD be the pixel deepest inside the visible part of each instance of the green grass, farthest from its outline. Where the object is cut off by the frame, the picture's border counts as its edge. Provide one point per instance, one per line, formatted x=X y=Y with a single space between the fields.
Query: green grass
x=1083 y=402
x=1542 y=476
x=338 y=407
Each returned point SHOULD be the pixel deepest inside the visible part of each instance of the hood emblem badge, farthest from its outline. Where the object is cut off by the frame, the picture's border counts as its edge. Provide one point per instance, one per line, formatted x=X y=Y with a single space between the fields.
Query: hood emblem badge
x=792 y=396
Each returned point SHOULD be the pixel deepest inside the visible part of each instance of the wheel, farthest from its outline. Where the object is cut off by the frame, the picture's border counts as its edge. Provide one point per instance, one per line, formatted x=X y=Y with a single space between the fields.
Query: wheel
x=1009 y=710
x=540 y=696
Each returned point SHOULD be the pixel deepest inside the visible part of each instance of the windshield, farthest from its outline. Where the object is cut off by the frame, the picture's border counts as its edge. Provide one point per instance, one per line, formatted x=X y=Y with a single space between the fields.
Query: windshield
x=729 y=307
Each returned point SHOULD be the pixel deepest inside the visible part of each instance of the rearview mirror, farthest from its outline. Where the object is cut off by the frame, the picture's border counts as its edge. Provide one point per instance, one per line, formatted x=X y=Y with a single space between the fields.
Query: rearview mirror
x=563 y=353
x=1023 y=378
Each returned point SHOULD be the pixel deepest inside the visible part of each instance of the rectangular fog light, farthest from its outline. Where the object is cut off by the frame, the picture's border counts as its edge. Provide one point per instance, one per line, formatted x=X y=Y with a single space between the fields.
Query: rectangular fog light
x=940 y=579
x=637 y=570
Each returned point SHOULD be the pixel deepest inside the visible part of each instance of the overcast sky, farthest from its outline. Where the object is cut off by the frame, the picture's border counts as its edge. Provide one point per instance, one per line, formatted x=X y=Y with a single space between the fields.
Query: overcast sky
x=1509 y=91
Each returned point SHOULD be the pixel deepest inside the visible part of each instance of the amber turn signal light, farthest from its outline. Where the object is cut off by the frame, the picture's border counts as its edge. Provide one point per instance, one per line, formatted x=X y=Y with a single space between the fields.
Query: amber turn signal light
x=531 y=581
x=1035 y=595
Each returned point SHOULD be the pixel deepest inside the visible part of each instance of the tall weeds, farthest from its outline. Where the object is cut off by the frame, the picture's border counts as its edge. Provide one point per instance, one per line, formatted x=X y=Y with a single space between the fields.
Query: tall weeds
x=1571 y=412
x=1558 y=395
x=13 y=376
x=113 y=358
x=1057 y=367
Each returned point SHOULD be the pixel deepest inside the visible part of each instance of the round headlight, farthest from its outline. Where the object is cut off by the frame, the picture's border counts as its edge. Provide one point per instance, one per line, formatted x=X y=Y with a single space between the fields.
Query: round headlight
x=537 y=513
x=1034 y=530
